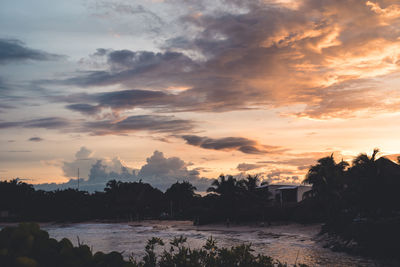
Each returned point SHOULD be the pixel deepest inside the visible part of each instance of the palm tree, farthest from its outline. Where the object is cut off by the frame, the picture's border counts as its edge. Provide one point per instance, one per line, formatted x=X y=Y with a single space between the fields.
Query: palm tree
x=364 y=181
x=328 y=182
x=112 y=186
x=326 y=177
x=225 y=185
x=251 y=182
x=181 y=194
x=363 y=161
x=229 y=190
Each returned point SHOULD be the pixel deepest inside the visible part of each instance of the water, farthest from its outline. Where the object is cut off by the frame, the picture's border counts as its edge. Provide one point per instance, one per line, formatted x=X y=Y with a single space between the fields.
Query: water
x=287 y=243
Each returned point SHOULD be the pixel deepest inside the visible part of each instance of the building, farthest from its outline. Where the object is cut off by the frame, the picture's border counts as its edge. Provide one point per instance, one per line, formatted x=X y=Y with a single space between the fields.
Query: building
x=285 y=194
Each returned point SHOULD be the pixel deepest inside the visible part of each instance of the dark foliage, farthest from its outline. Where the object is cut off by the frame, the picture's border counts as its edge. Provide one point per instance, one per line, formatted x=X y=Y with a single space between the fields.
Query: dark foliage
x=360 y=202
x=28 y=246
x=233 y=200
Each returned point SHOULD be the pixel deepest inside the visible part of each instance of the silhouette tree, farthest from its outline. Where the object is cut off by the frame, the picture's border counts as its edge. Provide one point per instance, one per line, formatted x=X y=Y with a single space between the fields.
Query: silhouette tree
x=229 y=190
x=225 y=186
x=373 y=185
x=181 y=195
x=251 y=183
x=327 y=180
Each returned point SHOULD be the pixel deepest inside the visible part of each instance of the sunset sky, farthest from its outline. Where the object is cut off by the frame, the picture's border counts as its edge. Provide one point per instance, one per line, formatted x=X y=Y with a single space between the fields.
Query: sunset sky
x=170 y=90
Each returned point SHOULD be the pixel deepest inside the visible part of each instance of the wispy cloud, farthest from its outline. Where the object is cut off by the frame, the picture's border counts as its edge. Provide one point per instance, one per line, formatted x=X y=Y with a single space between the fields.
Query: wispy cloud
x=35 y=139
x=241 y=144
x=152 y=123
x=12 y=50
x=46 y=123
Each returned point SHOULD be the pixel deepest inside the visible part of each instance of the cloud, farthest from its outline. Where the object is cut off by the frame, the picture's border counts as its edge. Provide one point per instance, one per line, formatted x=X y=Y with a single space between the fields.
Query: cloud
x=152 y=123
x=84 y=108
x=159 y=171
x=248 y=166
x=119 y=125
x=12 y=50
x=162 y=172
x=390 y=12
x=141 y=67
x=127 y=14
x=35 y=139
x=282 y=176
x=317 y=57
x=5 y=106
x=3 y=85
x=83 y=153
x=117 y=100
x=94 y=172
x=241 y=144
x=83 y=161
x=46 y=123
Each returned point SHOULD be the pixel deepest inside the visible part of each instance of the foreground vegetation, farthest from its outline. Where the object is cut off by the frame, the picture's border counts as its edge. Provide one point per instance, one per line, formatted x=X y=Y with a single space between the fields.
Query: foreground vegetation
x=28 y=246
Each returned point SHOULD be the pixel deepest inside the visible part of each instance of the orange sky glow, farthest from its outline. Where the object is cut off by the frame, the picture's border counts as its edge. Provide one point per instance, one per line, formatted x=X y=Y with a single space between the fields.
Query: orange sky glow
x=173 y=90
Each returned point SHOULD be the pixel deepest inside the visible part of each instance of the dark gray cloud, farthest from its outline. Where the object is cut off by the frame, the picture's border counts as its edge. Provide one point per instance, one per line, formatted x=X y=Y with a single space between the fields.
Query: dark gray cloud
x=3 y=85
x=84 y=108
x=229 y=143
x=132 y=98
x=141 y=68
x=118 y=100
x=6 y=106
x=12 y=50
x=5 y=89
x=35 y=139
x=46 y=123
x=152 y=123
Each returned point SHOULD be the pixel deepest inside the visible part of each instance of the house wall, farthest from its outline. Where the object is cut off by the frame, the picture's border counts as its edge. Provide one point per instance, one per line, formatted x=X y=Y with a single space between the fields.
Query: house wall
x=301 y=190
x=274 y=190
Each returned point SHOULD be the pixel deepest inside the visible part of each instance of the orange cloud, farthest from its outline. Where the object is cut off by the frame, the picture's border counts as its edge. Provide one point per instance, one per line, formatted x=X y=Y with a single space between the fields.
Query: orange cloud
x=390 y=12
x=323 y=59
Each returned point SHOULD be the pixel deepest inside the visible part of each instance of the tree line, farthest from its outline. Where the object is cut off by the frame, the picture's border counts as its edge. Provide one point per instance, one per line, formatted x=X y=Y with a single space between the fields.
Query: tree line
x=227 y=198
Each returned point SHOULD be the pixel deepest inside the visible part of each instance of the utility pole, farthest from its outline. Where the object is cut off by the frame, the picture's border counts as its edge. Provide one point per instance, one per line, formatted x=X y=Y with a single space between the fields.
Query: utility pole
x=78 y=179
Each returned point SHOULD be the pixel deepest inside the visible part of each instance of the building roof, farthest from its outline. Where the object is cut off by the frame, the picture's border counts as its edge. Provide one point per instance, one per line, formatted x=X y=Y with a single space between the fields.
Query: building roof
x=287 y=187
x=283 y=186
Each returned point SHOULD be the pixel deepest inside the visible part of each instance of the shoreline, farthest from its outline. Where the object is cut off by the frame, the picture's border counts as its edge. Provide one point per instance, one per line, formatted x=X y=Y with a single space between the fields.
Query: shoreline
x=273 y=238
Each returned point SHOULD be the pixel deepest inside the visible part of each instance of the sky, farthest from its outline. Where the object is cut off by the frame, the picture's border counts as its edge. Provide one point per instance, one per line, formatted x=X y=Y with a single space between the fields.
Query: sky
x=172 y=90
